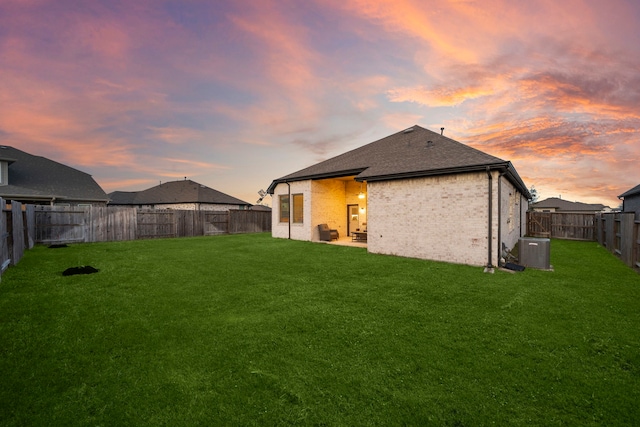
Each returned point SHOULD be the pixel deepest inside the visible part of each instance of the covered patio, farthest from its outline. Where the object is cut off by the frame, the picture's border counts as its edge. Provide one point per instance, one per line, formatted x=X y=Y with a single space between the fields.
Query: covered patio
x=347 y=241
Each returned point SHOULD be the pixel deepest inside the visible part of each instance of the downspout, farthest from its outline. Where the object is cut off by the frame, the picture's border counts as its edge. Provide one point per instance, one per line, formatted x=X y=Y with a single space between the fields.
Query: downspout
x=500 y=216
x=523 y=230
x=520 y=215
x=490 y=222
x=289 y=222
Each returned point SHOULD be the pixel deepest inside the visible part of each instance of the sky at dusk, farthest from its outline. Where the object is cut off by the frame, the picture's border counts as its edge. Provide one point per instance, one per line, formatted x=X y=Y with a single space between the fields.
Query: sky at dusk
x=233 y=94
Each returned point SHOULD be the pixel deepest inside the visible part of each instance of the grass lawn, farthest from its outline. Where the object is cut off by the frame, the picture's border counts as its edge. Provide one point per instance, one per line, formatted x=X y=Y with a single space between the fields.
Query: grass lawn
x=251 y=330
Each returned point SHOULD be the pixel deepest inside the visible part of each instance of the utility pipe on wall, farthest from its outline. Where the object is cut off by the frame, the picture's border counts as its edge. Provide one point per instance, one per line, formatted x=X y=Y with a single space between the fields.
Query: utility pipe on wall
x=490 y=220
x=500 y=215
x=289 y=222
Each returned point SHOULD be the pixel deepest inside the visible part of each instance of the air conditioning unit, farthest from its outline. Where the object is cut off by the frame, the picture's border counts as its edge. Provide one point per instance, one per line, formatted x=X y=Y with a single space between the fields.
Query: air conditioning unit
x=534 y=252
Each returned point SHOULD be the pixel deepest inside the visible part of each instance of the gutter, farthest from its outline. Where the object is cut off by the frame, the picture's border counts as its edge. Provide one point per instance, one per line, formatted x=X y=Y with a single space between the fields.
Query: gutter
x=17 y=197
x=515 y=179
x=433 y=172
x=337 y=174
x=26 y=199
x=51 y=198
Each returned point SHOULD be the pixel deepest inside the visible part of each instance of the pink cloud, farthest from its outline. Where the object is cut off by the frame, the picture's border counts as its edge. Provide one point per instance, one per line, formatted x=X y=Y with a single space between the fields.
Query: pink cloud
x=412 y=18
x=194 y=164
x=282 y=50
x=114 y=184
x=439 y=96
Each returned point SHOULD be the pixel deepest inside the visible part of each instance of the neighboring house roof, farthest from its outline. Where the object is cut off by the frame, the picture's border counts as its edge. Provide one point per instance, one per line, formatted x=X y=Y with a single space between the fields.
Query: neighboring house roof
x=260 y=208
x=183 y=191
x=122 y=197
x=414 y=152
x=38 y=178
x=565 y=205
x=634 y=191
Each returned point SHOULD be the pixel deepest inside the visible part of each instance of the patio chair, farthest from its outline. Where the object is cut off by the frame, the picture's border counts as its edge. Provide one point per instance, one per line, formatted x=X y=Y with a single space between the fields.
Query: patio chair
x=326 y=234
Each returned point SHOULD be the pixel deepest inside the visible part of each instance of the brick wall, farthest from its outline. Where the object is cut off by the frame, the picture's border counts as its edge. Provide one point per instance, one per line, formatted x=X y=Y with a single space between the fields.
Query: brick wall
x=513 y=214
x=329 y=206
x=299 y=231
x=441 y=218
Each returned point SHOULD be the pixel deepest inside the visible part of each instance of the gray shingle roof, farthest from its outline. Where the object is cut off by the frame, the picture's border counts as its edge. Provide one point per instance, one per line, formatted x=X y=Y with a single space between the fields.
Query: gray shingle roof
x=566 y=205
x=122 y=197
x=635 y=190
x=37 y=177
x=183 y=191
x=413 y=152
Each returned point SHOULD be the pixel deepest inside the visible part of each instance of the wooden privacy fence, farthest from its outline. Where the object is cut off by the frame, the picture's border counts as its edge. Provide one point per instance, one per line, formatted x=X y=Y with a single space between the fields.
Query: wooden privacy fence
x=619 y=232
x=57 y=224
x=17 y=231
x=560 y=225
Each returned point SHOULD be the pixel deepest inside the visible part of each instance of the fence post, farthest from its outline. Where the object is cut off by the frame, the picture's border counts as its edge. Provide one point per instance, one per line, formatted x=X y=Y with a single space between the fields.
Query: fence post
x=17 y=232
x=30 y=225
x=611 y=235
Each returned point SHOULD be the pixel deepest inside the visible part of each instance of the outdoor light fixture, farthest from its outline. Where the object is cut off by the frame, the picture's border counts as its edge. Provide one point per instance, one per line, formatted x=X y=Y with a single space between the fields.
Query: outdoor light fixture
x=361 y=195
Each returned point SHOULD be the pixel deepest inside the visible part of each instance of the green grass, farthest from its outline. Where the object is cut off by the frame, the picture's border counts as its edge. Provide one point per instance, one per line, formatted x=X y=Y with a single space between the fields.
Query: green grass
x=250 y=330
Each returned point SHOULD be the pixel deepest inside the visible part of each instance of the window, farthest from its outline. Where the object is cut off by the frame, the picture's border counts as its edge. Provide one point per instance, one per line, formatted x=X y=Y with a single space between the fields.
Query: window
x=298 y=208
x=284 y=208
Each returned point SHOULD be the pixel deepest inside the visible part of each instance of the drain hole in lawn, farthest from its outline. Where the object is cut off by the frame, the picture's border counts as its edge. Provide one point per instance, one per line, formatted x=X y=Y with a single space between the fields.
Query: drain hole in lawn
x=85 y=269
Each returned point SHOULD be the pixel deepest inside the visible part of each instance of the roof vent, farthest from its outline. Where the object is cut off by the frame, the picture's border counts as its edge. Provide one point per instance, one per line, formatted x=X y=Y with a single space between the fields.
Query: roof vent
x=429 y=144
x=408 y=130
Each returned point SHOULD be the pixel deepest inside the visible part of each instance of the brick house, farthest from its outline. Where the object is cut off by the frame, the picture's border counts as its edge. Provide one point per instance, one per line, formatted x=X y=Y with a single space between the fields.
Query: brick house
x=416 y=193
x=181 y=195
